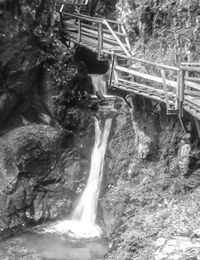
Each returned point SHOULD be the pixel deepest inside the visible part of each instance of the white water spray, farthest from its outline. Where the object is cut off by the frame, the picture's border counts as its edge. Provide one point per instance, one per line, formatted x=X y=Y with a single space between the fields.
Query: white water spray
x=82 y=223
x=86 y=208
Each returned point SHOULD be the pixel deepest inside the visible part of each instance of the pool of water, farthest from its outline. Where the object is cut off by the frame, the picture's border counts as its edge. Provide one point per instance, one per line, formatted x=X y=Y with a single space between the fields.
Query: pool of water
x=44 y=246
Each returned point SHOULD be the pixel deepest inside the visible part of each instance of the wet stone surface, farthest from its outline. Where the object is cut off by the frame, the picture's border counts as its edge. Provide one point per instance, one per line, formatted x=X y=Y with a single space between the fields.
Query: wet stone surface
x=37 y=246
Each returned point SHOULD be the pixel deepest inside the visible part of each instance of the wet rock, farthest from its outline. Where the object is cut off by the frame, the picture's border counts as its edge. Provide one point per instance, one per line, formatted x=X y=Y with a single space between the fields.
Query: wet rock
x=121 y=148
x=184 y=154
x=145 y=128
x=7 y=102
x=66 y=90
x=178 y=248
x=28 y=154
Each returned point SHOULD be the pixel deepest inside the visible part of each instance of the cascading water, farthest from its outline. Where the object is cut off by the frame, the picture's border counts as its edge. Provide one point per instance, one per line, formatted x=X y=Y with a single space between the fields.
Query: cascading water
x=86 y=208
x=82 y=223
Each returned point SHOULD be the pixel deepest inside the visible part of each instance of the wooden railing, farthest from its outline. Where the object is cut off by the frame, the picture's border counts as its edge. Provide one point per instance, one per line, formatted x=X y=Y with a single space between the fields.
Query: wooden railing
x=102 y=35
x=77 y=5
x=172 y=85
x=158 y=88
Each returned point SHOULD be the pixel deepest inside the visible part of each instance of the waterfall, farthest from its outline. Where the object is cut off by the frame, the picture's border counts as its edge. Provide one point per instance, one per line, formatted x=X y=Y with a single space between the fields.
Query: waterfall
x=86 y=209
x=82 y=222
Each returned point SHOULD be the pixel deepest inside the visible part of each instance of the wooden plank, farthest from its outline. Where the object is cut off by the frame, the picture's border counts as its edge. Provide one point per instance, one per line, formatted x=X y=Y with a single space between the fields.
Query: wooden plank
x=100 y=40
x=190 y=63
x=192 y=85
x=182 y=85
x=182 y=88
x=126 y=38
x=143 y=86
x=136 y=91
x=111 y=68
x=191 y=101
x=193 y=79
x=106 y=37
x=83 y=17
x=86 y=17
x=117 y=39
x=165 y=88
x=192 y=69
x=79 y=31
x=147 y=76
x=91 y=35
x=115 y=73
x=61 y=8
x=192 y=93
x=177 y=91
x=150 y=63
x=89 y=40
x=111 y=42
x=192 y=111
x=94 y=39
x=187 y=83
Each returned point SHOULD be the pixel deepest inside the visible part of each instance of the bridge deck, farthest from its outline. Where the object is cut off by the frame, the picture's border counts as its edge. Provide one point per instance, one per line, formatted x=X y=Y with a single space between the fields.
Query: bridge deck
x=168 y=84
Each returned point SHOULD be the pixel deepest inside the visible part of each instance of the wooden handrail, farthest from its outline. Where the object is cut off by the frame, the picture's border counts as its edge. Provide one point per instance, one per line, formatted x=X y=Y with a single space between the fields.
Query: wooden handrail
x=100 y=39
x=192 y=69
x=114 y=22
x=99 y=35
x=156 y=79
x=161 y=66
x=165 y=87
x=190 y=63
x=182 y=87
x=192 y=85
x=84 y=17
x=91 y=19
x=193 y=79
x=143 y=86
x=126 y=38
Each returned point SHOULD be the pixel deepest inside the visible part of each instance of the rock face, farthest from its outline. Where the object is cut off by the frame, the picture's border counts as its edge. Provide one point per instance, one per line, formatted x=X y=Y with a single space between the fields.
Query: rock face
x=45 y=117
x=162 y=31
x=28 y=154
x=149 y=198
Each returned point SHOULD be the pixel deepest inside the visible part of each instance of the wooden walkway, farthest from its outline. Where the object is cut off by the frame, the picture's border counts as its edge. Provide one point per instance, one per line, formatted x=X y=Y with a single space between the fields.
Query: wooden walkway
x=177 y=87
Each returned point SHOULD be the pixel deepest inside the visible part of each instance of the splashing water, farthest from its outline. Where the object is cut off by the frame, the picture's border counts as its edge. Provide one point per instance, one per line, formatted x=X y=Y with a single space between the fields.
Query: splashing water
x=82 y=223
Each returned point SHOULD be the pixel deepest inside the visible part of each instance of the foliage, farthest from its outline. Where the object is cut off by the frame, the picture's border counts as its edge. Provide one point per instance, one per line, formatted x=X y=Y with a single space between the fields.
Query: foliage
x=163 y=31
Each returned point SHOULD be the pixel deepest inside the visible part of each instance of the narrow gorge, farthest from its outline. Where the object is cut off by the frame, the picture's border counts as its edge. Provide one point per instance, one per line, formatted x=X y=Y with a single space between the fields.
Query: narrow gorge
x=89 y=171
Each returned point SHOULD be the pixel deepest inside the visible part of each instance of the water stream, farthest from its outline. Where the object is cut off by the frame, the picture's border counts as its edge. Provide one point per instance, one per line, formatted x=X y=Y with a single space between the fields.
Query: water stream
x=82 y=222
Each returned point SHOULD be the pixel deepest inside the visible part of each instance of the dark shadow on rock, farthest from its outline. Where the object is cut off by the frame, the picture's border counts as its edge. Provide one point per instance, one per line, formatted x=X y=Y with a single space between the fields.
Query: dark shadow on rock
x=89 y=57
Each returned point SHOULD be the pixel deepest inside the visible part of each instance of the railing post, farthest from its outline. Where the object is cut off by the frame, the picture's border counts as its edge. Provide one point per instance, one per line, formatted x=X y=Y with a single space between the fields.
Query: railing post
x=182 y=88
x=111 y=69
x=100 y=39
x=177 y=91
x=61 y=8
x=61 y=22
x=165 y=89
x=119 y=27
x=79 y=30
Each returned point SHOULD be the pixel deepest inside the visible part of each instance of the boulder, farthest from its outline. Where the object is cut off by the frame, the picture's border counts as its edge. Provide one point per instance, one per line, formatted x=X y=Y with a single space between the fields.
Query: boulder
x=27 y=155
